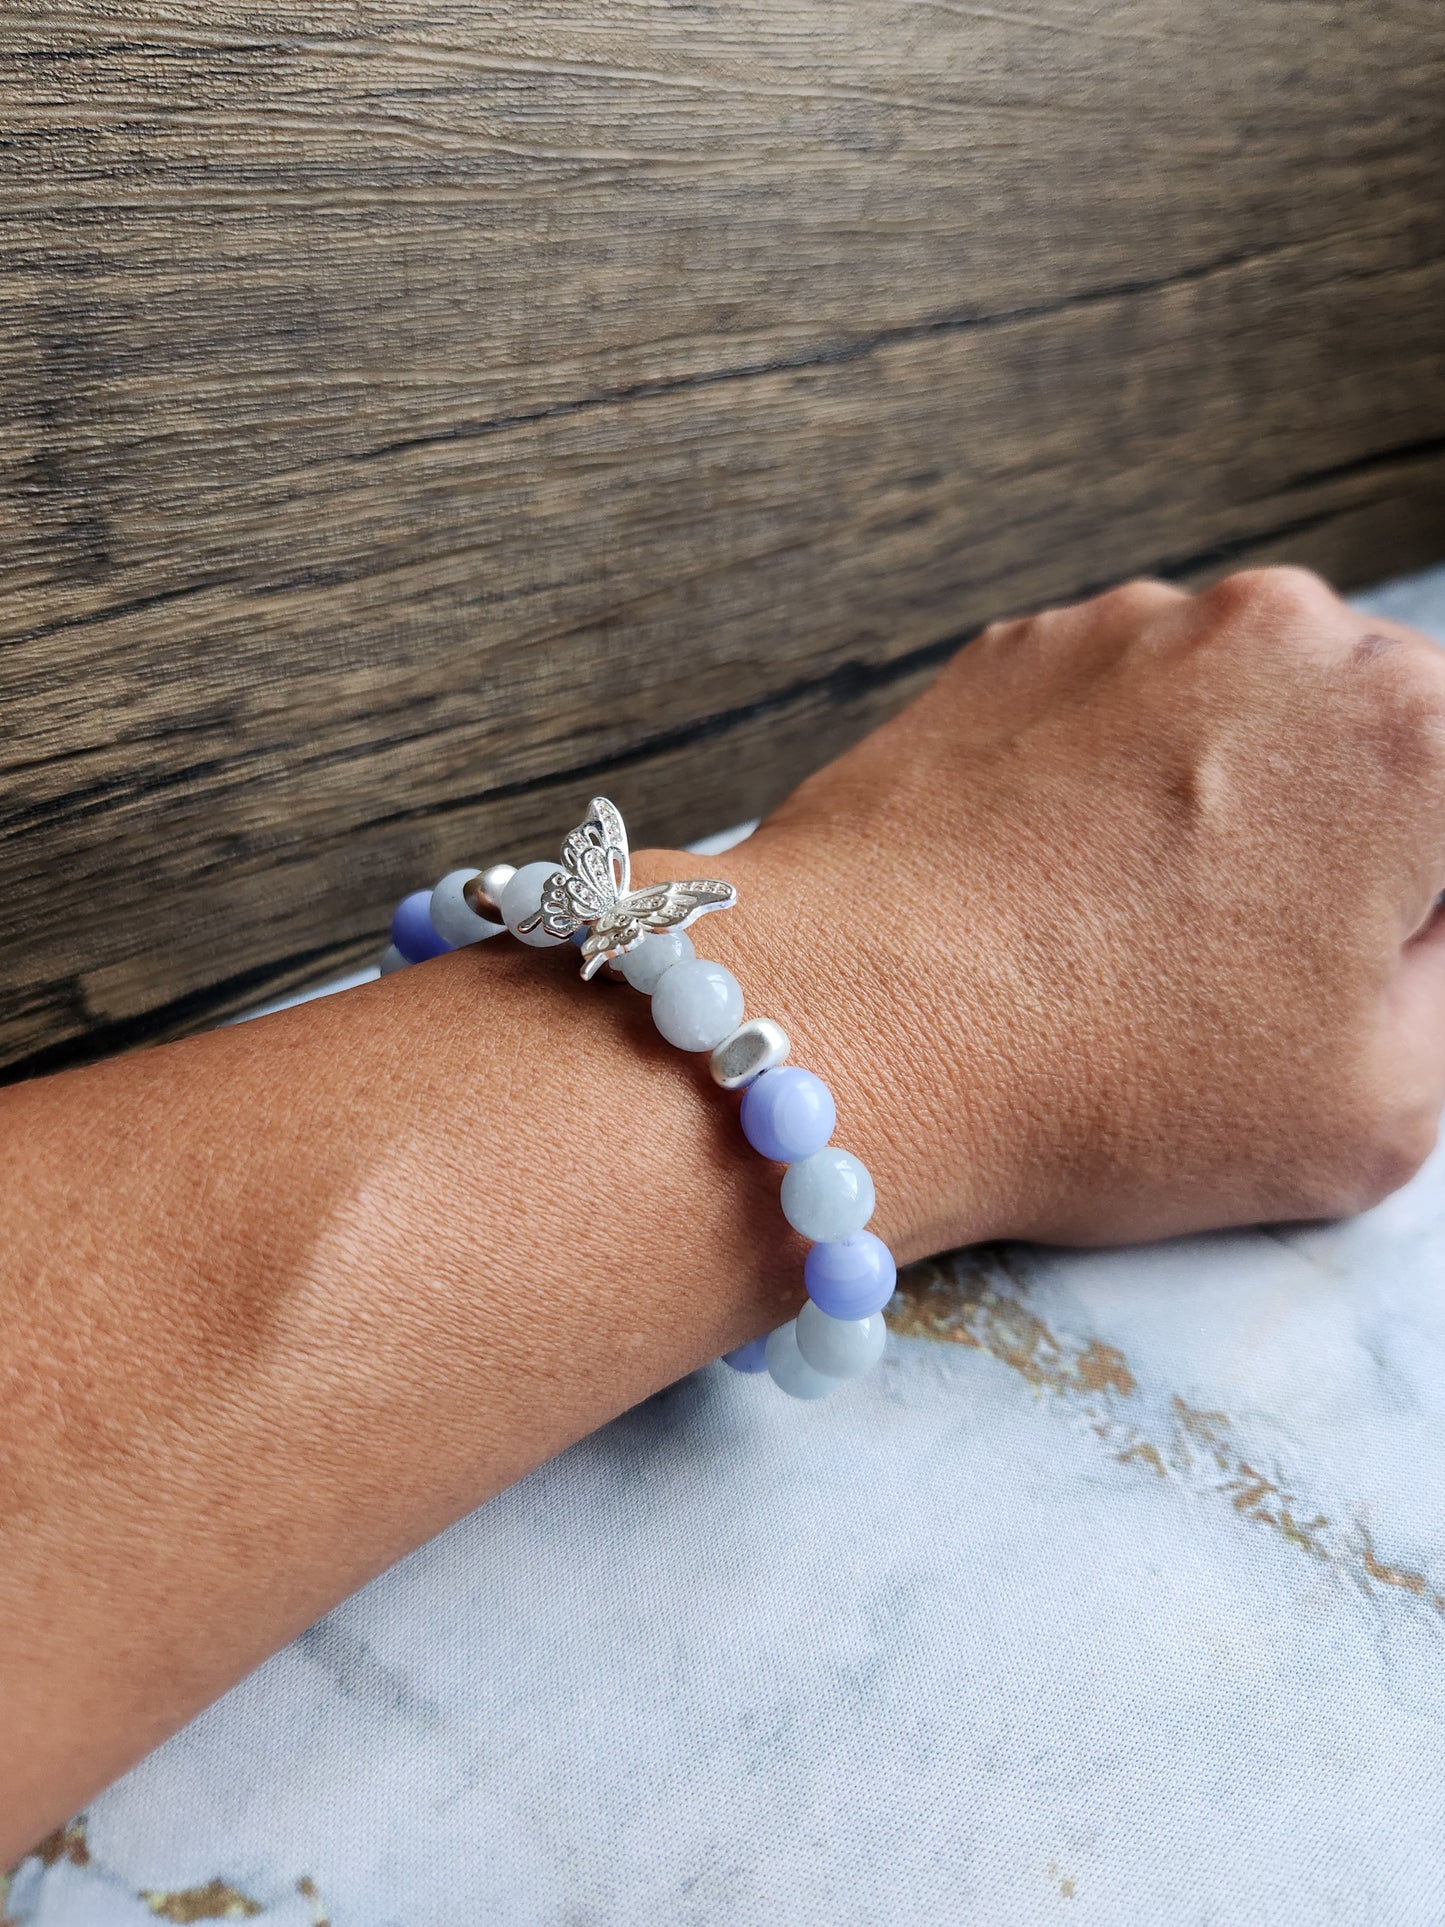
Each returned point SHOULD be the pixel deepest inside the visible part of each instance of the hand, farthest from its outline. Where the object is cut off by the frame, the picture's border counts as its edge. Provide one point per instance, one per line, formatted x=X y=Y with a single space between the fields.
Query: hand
x=1127 y=926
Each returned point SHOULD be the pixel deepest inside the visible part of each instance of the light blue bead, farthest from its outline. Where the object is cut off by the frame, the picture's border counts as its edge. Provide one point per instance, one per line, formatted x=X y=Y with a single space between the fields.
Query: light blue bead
x=790 y=1371
x=412 y=930
x=752 y=1357
x=453 y=917
x=788 y=1114
x=827 y=1197
x=522 y=898
x=654 y=957
x=840 y=1347
x=696 y=1004
x=852 y=1279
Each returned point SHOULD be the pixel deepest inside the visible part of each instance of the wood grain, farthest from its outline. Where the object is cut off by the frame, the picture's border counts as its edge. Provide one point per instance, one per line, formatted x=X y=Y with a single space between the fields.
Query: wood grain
x=416 y=415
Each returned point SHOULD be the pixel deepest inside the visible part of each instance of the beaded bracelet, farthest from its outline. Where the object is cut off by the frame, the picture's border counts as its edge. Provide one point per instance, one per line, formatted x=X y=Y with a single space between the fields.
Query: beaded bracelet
x=787 y=1114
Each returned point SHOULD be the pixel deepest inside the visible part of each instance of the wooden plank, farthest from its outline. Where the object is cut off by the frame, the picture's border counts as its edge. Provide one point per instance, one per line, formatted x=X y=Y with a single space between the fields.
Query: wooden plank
x=415 y=414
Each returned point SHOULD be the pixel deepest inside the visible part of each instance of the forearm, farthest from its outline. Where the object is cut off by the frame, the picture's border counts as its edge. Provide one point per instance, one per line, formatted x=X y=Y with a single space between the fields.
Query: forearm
x=283 y=1300
x=1129 y=927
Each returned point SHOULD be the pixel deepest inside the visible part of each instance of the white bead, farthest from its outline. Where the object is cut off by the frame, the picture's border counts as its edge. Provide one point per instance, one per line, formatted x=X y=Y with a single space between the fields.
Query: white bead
x=840 y=1347
x=654 y=956
x=696 y=1004
x=391 y=959
x=522 y=898
x=452 y=917
x=828 y=1196
x=758 y=1045
x=790 y=1371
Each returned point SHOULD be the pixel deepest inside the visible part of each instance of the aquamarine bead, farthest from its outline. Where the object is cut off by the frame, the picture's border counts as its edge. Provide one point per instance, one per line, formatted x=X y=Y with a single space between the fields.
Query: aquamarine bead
x=788 y=1114
x=790 y=1371
x=752 y=1357
x=840 y=1347
x=696 y=1004
x=827 y=1197
x=453 y=917
x=412 y=930
x=852 y=1279
x=522 y=898
x=654 y=957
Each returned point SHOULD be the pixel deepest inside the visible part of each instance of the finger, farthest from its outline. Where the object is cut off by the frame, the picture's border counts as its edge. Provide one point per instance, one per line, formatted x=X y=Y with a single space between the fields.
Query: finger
x=1286 y=602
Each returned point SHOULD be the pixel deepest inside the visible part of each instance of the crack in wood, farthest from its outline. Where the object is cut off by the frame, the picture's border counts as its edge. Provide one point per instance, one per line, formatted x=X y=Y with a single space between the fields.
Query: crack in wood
x=873 y=336
x=1402 y=454
x=826 y=355
x=847 y=683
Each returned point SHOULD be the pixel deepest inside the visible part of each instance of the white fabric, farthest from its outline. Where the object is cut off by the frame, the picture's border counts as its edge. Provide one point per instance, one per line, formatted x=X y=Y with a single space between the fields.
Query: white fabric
x=1118 y=1597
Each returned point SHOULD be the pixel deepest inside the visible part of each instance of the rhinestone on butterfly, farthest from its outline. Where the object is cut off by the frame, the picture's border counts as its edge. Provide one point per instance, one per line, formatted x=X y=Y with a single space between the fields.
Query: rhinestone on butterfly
x=591 y=891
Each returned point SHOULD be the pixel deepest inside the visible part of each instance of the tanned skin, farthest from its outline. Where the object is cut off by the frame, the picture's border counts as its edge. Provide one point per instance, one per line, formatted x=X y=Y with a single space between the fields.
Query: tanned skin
x=1127 y=927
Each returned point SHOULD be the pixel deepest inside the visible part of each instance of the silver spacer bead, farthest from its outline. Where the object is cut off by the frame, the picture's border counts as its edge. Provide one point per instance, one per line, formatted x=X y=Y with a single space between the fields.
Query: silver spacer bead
x=754 y=1047
x=484 y=893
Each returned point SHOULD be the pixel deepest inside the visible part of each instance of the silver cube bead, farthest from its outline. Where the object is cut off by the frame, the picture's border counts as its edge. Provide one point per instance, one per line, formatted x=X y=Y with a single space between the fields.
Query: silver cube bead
x=754 y=1047
x=484 y=893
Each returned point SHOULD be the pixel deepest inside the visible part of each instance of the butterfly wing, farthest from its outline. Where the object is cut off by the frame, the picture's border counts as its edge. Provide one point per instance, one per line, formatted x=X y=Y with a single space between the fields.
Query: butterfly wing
x=661 y=906
x=594 y=874
x=591 y=888
x=605 y=825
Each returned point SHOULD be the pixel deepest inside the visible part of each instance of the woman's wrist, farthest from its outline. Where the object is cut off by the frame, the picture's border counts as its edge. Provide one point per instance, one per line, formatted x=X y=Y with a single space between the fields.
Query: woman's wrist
x=921 y=1090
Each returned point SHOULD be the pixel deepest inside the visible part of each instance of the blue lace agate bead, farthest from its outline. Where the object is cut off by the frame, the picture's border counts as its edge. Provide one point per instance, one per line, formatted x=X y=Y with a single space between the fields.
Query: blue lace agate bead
x=852 y=1279
x=752 y=1357
x=412 y=930
x=788 y=1114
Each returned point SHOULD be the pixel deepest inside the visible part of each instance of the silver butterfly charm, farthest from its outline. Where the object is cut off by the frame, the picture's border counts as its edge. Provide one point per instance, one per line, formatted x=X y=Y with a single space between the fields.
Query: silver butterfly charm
x=591 y=888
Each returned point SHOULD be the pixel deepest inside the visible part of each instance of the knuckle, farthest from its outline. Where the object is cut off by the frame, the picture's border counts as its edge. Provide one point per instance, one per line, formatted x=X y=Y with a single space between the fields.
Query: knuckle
x=1280 y=590
x=1407 y=684
x=1139 y=596
x=999 y=634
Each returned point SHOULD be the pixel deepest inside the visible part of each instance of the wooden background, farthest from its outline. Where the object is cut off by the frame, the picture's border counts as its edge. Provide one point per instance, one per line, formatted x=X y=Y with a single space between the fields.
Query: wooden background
x=416 y=416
